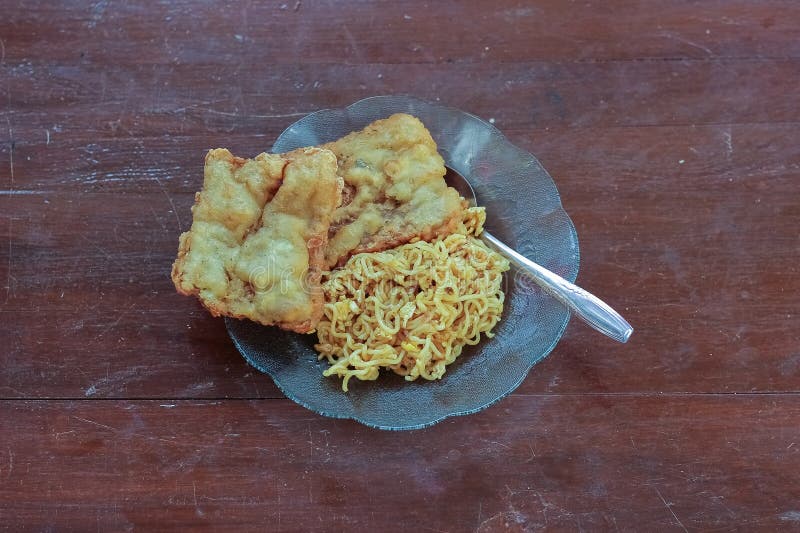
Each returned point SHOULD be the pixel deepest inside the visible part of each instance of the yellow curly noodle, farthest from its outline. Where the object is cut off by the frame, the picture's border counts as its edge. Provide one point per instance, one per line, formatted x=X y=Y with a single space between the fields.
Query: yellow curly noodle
x=413 y=308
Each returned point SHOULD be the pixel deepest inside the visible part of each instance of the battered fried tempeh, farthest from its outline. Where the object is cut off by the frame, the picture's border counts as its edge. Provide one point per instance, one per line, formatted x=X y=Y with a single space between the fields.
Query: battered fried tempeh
x=257 y=242
x=394 y=189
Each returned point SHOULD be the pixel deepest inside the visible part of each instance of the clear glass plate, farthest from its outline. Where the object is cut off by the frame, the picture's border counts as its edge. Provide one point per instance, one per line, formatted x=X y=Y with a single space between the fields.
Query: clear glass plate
x=523 y=209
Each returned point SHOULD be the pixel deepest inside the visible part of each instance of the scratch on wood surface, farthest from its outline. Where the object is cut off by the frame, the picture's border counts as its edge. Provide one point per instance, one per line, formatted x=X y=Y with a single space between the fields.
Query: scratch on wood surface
x=196 y=105
x=353 y=44
x=486 y=522
x=96 y=247
x=98 y=424
x=504 y=521
x=121 y=376
x=11 y=150
x=122 y=238
x=251 y=115
x=728 y=144
x=679 y=38
x=506 y=446
x=8 y=270
x=103 y=83
x=10 y=463
x=12 y=389
x=192 y=445
x=59 y=435
x=98 y=9
x=196 y=505
x=23 y=192
x=171 y=203
x=113 y=324
x=669 y=507
x=8 y=266
x=122 y=175
x=721 y=501
x=194 y=388
x=2 y=52
x=155 y=217
x=533 y=454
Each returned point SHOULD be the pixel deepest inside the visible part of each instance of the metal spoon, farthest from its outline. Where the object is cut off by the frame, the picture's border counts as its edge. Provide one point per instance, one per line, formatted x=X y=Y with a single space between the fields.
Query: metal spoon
x=585 y=306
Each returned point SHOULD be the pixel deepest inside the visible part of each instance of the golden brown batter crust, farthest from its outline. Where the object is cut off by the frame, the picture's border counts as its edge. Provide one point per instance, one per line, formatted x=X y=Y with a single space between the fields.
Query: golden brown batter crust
x=394 y=189
x=258 y=237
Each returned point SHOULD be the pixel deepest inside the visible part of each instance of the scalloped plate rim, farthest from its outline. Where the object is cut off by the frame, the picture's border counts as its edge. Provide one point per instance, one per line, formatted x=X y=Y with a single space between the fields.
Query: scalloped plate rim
x=464 y=412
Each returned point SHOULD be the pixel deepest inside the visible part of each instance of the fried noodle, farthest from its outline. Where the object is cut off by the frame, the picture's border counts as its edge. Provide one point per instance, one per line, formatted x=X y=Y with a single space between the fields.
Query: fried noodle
x=411 y=309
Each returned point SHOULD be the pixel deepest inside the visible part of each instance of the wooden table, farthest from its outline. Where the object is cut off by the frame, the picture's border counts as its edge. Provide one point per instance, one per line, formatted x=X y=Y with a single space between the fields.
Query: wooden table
x=672 y=130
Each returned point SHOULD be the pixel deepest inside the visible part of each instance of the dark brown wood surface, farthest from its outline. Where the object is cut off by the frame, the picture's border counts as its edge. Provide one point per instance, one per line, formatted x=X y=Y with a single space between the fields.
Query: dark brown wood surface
x=672 y=130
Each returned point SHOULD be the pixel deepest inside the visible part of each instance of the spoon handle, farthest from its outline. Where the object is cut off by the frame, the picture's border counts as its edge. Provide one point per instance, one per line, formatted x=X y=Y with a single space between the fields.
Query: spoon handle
x=584 y=305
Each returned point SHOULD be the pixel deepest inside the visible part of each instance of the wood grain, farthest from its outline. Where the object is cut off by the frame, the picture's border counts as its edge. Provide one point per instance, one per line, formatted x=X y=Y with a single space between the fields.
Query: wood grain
x=596 y=462
x=672 y=130
x=248 y=33
x=610 y=156
x=100 y=246
x=134 y=102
